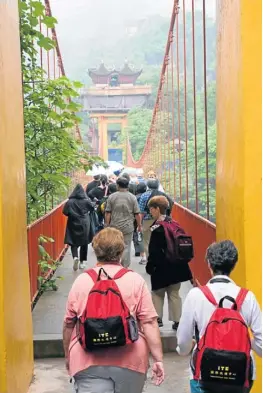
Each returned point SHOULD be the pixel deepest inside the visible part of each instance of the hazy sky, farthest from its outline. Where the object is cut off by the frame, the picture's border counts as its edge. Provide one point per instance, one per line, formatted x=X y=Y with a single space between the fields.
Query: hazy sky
x=88 y=17
x=81 y=21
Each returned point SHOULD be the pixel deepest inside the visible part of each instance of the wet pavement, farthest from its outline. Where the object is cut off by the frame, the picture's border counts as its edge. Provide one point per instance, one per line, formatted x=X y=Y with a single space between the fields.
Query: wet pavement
x=51 y=377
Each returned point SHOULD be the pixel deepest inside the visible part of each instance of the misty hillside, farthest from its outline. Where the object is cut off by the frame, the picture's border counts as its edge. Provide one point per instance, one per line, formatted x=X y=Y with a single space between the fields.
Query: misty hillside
x=91 y=31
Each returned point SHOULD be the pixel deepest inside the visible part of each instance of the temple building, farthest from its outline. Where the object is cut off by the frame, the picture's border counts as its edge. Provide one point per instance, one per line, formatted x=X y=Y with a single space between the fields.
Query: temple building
x=113 y=94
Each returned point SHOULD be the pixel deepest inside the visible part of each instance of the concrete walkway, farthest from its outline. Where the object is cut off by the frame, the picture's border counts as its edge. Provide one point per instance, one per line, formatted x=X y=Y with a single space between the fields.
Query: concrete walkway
x=48 y=318
x=49 y=311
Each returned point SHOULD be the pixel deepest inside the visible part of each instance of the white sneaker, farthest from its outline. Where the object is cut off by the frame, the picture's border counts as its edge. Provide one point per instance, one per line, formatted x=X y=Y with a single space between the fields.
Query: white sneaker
x=76 y=264
x=82 y=265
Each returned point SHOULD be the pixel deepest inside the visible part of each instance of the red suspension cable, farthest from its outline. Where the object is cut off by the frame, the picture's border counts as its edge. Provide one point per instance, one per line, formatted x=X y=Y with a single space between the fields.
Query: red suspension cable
x=194 y=97
x=185 y=111
x=205 y=106
x=178 y=108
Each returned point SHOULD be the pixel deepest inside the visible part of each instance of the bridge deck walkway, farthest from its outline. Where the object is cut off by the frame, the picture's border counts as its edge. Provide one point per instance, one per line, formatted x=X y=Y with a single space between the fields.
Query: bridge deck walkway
x=47 y=321
x=49 y=311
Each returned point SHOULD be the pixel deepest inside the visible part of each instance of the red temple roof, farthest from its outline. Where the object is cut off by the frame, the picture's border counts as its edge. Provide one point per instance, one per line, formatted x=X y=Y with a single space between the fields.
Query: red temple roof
x=125 y=75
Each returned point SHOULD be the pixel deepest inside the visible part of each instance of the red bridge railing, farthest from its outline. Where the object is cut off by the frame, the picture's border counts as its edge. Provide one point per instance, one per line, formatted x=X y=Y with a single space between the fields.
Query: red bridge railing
x=52 y=225
x=203 y=233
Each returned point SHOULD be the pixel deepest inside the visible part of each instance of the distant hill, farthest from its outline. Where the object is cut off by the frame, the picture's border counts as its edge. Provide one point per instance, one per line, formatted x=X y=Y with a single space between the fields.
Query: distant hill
x=90 y=31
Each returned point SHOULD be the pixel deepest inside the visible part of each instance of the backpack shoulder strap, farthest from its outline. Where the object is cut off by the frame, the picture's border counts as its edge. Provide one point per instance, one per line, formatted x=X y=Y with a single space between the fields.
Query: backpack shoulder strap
x=241 y=297
x=121 y=273
x=93 y=274
x=208 y=294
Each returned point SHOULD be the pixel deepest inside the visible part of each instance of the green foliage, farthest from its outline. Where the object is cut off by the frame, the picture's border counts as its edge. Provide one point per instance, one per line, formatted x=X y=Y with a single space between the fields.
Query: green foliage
x=147 y=47
x=138 y=126
x=183 y=164
x=139 y=121
x=47 y=280
x=199 y=49
x=151 y=76
x=148 y=44
x=52 y=153
x=185 y=169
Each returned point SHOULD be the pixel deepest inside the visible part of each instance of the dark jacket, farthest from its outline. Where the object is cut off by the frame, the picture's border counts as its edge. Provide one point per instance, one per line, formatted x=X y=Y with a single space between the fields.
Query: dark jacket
x=77 y=209
x=132 y=188
x=91 y=185
x=98 y=193
x=162 y=272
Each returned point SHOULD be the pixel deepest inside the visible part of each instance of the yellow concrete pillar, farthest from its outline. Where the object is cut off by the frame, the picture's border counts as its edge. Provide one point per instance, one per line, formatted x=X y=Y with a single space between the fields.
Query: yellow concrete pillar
x=124 y=124
x=16 y=349
x=103 y=137
x=100 y=134
x=239 y=139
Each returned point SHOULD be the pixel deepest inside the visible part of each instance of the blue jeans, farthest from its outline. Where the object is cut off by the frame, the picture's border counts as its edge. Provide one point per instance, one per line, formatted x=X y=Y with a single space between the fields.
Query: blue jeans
x=195 y=387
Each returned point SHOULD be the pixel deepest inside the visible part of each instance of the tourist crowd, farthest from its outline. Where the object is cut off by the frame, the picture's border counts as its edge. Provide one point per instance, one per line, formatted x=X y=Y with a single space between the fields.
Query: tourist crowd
x=113 y=322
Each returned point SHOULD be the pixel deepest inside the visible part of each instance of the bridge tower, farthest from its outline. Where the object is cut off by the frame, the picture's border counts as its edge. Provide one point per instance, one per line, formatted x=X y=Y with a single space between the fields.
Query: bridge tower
x=16 y=336
x=113 y=94
x=239 y=140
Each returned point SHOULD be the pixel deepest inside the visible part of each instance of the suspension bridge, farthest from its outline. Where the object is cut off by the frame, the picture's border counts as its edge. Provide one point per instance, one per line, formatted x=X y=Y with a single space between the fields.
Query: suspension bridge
x=211 y=202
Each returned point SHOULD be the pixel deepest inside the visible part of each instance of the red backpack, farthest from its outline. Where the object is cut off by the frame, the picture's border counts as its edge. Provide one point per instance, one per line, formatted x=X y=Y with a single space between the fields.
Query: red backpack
x=180 y=246
x=106 y=321
x=222 y=358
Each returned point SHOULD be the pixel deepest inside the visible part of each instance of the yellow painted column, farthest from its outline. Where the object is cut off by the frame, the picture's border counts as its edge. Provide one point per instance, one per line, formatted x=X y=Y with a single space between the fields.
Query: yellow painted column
x=124 y=124
x=16 y=349
x=100 y=134
x=103 y=137
x=239 y=139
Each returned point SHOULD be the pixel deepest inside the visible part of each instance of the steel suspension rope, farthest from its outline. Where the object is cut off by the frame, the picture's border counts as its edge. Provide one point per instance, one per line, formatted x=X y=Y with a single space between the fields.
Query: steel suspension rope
x=194 y=97
x=178 y=106
x=141 y=161
x=205 y=108
x=185 y=111
x=173 y=116
x=168 y=129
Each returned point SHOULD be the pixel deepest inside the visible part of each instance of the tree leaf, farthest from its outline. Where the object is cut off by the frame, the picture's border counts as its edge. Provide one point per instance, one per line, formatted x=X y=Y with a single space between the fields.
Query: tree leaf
x=41 y=250
x=46 y=43
x=77 y=84
x=50 y=21
x=38 y=8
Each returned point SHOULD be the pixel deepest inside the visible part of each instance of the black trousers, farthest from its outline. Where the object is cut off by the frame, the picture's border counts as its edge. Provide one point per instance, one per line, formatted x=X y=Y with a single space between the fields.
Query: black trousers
x=83 y=254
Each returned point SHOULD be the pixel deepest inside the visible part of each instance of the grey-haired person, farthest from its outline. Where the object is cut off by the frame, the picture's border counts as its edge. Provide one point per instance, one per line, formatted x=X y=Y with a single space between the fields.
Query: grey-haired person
x=222 y=258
